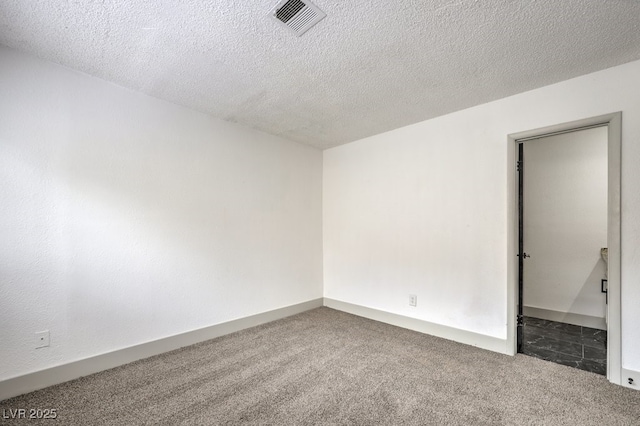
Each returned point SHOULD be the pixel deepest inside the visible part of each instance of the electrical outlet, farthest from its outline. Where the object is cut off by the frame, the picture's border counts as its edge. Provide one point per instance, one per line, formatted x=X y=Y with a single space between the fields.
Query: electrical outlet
x=42 y=339
x=413 y=300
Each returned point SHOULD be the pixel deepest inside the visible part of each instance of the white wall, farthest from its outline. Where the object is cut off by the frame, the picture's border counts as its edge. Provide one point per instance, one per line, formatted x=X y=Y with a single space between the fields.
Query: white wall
x=423 y=209
x=565 y=222
x=125 y=219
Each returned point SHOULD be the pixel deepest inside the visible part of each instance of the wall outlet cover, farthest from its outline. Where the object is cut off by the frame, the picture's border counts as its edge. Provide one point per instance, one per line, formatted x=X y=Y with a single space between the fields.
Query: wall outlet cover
x=413 y=300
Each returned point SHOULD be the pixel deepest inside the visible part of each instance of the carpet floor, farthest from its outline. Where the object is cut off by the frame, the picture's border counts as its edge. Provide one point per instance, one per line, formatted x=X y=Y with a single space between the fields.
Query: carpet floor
x=328 y=367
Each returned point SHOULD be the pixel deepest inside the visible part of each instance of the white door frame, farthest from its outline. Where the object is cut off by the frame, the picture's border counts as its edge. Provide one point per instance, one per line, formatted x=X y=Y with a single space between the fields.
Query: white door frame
x=614 y=124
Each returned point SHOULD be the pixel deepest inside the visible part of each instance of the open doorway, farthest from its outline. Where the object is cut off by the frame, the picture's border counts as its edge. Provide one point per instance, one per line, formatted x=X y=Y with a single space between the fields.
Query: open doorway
x=562 y=192
x=570 y=305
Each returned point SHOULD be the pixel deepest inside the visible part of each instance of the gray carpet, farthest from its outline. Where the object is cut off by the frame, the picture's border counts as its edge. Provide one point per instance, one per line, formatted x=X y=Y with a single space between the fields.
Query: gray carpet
x=328 y=367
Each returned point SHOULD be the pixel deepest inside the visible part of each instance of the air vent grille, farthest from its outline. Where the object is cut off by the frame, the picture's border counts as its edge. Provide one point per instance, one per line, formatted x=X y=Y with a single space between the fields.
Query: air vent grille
x=297 y=15
x=289 y=9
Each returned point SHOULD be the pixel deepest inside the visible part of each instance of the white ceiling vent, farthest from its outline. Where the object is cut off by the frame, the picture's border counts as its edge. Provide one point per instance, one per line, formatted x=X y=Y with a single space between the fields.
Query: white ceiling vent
x=297 y=15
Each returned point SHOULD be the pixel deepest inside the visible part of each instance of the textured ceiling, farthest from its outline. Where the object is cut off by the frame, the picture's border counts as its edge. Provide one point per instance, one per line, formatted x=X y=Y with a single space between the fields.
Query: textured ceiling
x=368 y=67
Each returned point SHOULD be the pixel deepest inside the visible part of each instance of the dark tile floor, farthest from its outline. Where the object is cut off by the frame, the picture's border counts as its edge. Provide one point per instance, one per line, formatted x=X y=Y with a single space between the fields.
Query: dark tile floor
x=567 y=344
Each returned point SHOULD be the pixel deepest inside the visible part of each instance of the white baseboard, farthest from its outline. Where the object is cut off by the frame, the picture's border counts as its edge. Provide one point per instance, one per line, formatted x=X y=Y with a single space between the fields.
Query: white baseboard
x=73 y=370
x=462 y=336
x=566 y=317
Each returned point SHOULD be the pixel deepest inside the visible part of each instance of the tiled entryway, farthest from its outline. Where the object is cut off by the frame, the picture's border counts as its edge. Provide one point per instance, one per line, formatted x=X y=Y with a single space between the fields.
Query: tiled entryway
x=580 y=347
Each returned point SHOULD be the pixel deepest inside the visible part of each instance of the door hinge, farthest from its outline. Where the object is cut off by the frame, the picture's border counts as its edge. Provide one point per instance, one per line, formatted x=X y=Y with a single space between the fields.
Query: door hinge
x=518 y=165
x=520 y=320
